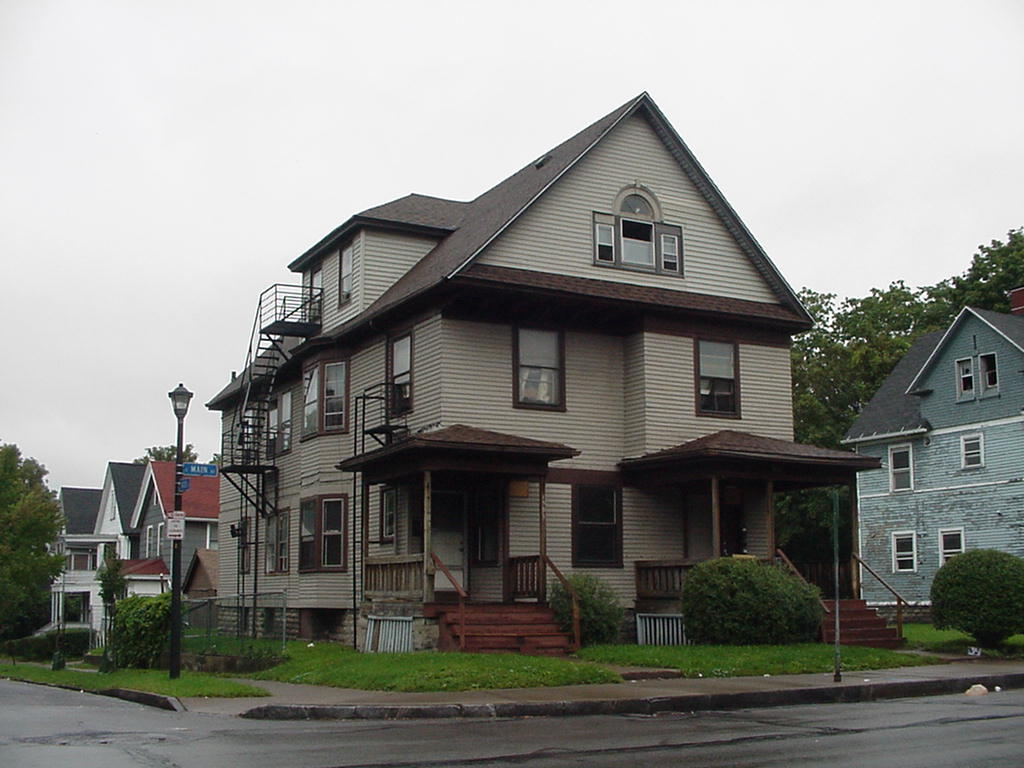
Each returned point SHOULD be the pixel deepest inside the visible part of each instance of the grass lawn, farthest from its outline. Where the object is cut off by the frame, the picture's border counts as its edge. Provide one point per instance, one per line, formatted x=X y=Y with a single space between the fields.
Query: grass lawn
x=152 y=680
x=928 y=638
x=738 y=660
x=340 y=666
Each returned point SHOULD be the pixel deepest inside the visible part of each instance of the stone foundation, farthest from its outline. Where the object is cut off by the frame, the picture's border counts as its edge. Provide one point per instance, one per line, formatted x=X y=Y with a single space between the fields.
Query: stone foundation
x=916 y=613
x=425 y=632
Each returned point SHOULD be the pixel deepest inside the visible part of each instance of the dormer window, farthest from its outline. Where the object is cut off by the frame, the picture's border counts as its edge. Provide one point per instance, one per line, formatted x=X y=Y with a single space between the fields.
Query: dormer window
x=989 y=375
x=965 y=379
x=345 y=275
x=635 y=238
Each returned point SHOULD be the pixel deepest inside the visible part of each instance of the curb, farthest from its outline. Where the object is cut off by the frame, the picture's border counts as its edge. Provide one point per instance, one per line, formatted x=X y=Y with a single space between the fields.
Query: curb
x=860 y=692
x=146 y=698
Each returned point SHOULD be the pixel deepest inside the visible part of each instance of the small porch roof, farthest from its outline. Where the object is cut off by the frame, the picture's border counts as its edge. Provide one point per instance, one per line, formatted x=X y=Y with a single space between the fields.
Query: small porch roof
x=461 y=448
x=743 y=455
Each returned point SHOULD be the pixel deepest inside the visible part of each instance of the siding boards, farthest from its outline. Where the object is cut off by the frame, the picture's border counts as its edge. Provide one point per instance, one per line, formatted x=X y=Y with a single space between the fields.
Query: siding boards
x=555 y=235
x=388 y=256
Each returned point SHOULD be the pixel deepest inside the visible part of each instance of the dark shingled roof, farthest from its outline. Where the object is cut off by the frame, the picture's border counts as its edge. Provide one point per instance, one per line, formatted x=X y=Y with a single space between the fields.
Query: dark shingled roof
x=422 y=210
x=892 y=410
x=127 y=484
x=151 y=566
x=80 y=507
x=729 y=443
x=1011 y=326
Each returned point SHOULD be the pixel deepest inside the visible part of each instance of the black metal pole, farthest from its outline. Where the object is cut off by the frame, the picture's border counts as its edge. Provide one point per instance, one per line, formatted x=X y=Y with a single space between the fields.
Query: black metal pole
x=837 y=673
x=175 y=661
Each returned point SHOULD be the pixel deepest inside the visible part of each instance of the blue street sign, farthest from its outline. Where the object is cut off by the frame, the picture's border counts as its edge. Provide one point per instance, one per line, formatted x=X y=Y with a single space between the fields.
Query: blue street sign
x=183 y=484
x=199 y=470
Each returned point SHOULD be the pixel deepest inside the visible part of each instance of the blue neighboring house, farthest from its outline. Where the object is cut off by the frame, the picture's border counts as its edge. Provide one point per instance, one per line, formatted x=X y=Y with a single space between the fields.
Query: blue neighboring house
x=948 y=427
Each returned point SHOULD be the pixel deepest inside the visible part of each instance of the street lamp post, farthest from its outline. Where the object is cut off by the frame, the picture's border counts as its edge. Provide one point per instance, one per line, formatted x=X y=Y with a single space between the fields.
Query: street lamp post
x=180 y=398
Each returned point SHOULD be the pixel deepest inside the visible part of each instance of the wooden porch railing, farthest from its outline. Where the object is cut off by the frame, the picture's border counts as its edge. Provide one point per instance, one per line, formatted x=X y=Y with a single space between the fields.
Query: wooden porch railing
x=661 y=578
x=462 y=598
x=900 y=602
x=576 y=632
x=394 y=576
x=789 y=564
x=523 y=575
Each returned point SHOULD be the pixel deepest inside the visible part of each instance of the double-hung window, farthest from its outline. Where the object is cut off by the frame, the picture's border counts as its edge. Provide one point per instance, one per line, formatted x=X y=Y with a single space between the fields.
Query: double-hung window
x=273 y=428
x=400 y=363
x=904 y=552
x=988 y=373
x=335 y=390
x=635 y=238
x=965 y=379
x=716 y=379
x=540 y=363
x=314 y=293
x=596 y=526
x=311 y=401
x=277 y=543
x=322 y=533
x=972 y=452
x=345 y=275
x=284 y=428
x=951 y=543
x=901 y=468
x=388 y=513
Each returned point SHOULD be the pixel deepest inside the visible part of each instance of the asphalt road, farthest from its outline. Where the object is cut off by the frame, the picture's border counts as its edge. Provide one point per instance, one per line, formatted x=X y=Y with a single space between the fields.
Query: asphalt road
x=45 y=727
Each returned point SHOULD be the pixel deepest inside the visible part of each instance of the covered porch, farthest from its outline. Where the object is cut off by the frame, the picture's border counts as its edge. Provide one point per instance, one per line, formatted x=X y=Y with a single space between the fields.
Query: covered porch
x=435 y=519
x=726 y=484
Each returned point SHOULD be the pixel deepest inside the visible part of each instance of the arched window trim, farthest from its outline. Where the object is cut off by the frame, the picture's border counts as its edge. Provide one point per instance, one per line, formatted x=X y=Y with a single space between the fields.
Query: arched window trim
x=641 y=191
x=616 y=246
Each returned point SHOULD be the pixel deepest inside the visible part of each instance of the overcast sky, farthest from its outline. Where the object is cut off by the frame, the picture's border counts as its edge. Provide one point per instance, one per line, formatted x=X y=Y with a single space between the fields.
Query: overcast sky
x=162 y=162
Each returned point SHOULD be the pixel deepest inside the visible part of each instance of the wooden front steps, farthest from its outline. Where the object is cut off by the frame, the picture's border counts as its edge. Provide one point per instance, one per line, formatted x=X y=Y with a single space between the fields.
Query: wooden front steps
x=500 y=628
x=859 y=625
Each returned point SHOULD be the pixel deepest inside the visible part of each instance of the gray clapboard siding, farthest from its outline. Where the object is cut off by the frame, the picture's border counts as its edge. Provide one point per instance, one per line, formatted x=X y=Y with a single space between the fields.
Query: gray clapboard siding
x=555 y=235
x=388 y=256
x=478 y=391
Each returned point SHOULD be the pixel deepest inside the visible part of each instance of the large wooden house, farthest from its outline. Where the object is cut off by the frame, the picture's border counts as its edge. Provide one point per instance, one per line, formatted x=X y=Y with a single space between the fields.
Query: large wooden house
x=586 y=368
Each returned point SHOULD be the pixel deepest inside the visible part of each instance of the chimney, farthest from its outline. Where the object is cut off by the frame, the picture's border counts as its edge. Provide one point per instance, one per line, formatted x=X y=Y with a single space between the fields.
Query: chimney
x=1017 y=301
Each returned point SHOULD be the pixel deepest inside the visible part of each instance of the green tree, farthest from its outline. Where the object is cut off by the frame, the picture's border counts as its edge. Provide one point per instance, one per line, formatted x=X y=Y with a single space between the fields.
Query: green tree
x=996 y=269
x=30 y=520
x=168 y=453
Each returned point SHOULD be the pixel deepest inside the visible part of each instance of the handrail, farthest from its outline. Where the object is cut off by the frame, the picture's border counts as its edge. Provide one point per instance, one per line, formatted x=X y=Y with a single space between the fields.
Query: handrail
x=575 y=600
x=794 y=569
x=900 y=600
x=462 y=598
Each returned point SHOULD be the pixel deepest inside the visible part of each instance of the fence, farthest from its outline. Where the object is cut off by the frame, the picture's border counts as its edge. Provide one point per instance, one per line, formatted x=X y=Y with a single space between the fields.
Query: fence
x=263 y=615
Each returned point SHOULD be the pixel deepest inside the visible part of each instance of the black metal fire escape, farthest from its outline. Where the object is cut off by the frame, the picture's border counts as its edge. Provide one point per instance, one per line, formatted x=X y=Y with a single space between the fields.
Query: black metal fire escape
x=285 y=313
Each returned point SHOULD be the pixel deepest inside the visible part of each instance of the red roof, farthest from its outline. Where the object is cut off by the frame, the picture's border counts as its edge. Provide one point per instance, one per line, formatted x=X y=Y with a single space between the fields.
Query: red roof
x=201 y=500
x=152 y=566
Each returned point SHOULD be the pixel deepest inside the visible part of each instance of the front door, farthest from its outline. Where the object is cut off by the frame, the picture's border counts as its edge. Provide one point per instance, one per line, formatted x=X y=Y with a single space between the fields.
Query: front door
x=448 y=537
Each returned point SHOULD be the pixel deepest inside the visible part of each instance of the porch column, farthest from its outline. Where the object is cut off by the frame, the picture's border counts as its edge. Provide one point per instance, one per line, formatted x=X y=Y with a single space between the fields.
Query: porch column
x=542 y=543
x=855 y=544
x=716 y=517
x=428 y=563
x=769 y=490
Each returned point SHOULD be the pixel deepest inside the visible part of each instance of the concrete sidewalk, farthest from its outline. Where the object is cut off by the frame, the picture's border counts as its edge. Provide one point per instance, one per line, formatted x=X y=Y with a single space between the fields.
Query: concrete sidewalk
x=310 y=702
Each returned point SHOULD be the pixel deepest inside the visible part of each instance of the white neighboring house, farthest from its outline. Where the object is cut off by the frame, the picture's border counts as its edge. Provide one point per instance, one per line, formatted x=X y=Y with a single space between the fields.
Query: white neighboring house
x=75 y=593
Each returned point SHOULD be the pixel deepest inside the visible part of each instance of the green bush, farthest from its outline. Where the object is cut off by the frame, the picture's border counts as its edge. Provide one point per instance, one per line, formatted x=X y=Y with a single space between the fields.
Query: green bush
x=736 y=601
x=600 y=612
x=42 y=647
x=142 y=626
x=980 y=592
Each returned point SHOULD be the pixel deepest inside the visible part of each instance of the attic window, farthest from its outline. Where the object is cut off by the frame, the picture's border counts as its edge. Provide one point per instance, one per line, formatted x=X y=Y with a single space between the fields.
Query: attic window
x=634 y=237
x=634 y=205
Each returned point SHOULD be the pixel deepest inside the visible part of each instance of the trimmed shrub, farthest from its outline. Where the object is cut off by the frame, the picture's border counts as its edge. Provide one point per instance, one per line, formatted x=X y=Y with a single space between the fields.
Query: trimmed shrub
x=736 y=601
x=42 y=647
x=142 y=626
x=600 y=612
x=980 y=592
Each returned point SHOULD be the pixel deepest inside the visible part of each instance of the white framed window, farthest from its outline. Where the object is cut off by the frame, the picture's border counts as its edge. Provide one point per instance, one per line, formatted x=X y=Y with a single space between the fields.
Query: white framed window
x=311 y=401
x=972 y=452
x=335 y=390
x=670 y=253
x=401 y=374
x=345 y=275
x=159 y=539
x=988 y=373
x=637 y=243
x=901 y=468
x=904 y=552
x=965 y=379
x=149 y=541
x=604 y=239
x=285 y=421
x=951 y=543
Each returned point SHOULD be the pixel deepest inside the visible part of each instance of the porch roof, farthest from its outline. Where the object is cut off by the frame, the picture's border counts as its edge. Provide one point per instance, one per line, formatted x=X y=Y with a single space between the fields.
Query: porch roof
x=743 y=455
x=459 y=447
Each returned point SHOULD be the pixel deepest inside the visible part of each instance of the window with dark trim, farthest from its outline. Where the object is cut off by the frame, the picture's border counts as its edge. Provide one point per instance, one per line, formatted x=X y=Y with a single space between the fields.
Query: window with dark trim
x=325 y=398
x=400 y=373
x=717 y=393
x=322 y=524
x=388 y=513
x=485 y=522
x=277 y=543
x=539 y=369
x=596 y=526
x=345 y=275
